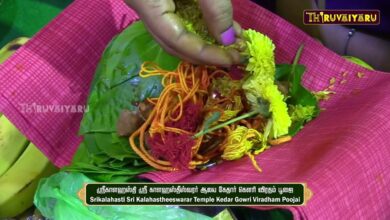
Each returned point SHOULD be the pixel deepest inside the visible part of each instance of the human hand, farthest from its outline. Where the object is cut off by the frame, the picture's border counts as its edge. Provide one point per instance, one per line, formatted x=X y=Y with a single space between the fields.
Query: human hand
x=169 y=31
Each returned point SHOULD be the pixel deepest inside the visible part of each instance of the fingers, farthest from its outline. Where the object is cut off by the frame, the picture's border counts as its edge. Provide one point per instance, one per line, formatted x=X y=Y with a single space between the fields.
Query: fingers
x=218 y=16
x=173 y=36
x=168 y=30
x=237 y=29
x=171 y=51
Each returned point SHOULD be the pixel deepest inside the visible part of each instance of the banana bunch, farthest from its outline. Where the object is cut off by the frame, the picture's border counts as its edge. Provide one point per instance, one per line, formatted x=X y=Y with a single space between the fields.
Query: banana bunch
x=11 y=47
x=18 y=184
x=22 y=165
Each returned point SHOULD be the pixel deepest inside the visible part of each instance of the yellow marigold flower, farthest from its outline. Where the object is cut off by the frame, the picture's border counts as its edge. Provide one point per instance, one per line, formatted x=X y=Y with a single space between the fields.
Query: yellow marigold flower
x=260 y=50
x=279 y=109
x=261 y=81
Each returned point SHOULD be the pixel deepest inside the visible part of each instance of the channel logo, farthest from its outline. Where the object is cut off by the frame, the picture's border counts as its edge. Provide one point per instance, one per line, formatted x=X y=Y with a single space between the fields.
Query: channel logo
x=343 y=17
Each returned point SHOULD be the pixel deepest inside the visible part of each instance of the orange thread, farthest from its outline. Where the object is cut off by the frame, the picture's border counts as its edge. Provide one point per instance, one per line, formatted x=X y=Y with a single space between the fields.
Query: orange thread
x=187 y=83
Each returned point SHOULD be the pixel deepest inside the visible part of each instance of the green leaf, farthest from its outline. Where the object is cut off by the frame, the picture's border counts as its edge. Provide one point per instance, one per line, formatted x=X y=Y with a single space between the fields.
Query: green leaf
x=359 y=62
x=116 y=85
x=111 y=145
x=282 y=72
x=296 y=126
x=100 y=158
x=298 y=94
x=109 y=171
x=82 y=154
x=103 y=155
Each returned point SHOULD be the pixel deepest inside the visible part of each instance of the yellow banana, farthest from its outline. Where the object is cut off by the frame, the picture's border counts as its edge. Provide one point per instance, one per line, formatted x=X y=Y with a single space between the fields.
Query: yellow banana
x=11 y=47
x=12 y=144
x=21 y=168
x=31 y=166
x=23 y=200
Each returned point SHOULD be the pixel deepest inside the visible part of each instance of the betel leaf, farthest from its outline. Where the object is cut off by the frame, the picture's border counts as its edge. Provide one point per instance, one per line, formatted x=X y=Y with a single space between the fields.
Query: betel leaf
x=103 y=155
x=113 y=149
x=116 y=85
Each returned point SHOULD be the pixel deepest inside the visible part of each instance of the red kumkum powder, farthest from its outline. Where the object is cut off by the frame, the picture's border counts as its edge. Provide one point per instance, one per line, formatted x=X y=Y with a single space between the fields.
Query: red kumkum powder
x=176 y=148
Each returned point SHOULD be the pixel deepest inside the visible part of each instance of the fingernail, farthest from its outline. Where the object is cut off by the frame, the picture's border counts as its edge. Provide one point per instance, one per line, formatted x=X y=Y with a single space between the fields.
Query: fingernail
x=228 y=37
